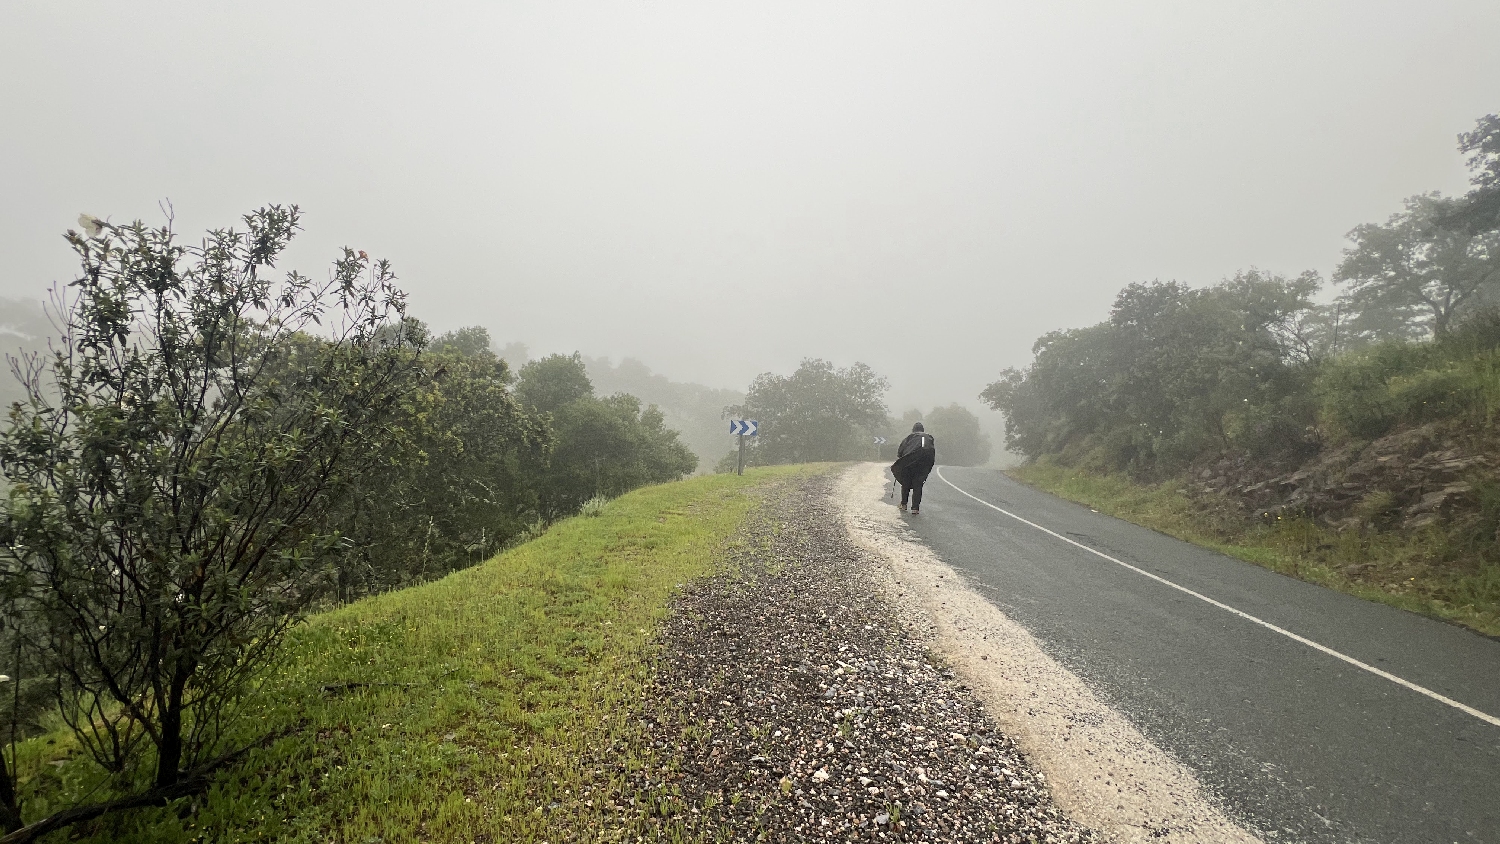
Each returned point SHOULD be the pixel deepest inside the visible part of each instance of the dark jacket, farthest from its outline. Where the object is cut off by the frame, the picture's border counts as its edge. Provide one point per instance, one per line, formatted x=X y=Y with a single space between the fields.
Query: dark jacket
x=914 y=458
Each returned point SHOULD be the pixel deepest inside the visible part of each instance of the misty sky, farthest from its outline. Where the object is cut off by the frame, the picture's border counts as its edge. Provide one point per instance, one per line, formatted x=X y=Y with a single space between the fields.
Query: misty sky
x=722 y=189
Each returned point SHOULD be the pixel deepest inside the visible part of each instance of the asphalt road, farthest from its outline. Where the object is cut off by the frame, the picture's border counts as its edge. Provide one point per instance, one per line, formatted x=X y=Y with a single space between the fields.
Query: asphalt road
x=1295 y=742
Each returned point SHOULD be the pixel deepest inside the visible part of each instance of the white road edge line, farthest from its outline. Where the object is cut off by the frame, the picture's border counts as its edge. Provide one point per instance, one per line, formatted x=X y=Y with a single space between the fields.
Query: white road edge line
x=1247 y=616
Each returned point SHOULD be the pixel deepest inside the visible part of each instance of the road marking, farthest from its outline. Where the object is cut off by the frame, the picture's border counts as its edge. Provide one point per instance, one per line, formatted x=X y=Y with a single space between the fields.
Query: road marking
x=1242 y=614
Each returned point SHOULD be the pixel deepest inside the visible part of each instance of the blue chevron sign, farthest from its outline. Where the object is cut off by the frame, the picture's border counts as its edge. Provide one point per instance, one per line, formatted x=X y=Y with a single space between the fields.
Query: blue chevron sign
x=748 y=427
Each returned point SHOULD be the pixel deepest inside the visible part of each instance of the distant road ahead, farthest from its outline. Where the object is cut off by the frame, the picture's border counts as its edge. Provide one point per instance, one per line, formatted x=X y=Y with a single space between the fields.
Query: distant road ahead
x=1298 y=743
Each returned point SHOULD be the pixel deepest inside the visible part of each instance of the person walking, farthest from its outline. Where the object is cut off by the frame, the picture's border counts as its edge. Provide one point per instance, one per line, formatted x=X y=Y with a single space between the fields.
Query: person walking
x=915 y=458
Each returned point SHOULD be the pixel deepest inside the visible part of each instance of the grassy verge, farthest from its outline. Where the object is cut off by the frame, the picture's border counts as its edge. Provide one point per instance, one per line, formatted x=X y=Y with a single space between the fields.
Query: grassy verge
x=460 y=710
x=1409 y=570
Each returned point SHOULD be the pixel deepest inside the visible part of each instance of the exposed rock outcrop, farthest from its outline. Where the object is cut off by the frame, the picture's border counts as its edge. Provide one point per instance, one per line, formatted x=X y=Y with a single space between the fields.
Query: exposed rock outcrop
x=1409 y=479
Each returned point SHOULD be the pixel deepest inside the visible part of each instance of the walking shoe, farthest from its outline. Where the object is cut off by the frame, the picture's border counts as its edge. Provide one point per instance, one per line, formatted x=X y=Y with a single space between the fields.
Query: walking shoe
x=903 y=506
x=915 y=511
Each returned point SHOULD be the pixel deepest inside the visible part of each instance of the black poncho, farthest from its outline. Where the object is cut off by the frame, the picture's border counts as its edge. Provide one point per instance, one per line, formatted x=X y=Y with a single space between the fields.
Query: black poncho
x=914 y=459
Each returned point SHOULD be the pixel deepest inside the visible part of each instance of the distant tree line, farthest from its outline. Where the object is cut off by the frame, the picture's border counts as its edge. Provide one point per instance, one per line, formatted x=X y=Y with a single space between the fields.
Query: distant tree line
x=210 y=450
x=1257 y=364
x=695 y=411
x=962 y=443
x=822 y=413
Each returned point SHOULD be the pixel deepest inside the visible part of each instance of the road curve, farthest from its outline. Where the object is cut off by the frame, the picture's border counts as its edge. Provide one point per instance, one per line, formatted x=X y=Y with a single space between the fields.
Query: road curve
x=1309 y=714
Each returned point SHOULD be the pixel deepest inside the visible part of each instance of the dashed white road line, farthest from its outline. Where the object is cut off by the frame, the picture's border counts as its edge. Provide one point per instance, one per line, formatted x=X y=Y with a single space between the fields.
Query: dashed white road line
x=1468 y=710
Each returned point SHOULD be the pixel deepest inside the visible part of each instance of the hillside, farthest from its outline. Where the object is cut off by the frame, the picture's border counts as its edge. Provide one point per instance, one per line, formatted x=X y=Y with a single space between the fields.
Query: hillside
x=1373 y=472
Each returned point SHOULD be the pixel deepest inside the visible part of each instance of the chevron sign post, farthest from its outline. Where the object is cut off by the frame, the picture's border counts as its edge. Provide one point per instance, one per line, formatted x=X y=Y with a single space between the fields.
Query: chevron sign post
x=742 y=428
x=880 y=440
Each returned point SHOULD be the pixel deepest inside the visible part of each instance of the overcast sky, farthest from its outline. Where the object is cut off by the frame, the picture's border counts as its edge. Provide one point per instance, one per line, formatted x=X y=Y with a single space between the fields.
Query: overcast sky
x=721 y=189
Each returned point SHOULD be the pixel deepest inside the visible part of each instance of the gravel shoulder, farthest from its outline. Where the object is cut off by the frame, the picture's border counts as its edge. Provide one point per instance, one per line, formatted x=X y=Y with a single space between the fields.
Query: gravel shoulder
x=1102 y=771
x=794 y=701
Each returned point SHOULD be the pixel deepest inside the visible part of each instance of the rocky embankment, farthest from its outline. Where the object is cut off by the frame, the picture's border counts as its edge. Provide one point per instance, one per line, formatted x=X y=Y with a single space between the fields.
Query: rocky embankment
x=792 y=703
x=1407 y=480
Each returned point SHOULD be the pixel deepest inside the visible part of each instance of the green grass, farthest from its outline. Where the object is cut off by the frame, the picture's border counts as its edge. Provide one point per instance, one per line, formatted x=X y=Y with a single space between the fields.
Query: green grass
x=1410 y=570
x=487 y=691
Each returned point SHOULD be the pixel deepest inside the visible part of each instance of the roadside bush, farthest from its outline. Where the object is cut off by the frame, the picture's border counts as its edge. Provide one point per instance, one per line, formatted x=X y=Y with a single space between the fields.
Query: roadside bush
x=1276 y=430
x=1433 y=394
x=1354 y=394
x=172 y=473
x=1368 y=393
x=457 y=481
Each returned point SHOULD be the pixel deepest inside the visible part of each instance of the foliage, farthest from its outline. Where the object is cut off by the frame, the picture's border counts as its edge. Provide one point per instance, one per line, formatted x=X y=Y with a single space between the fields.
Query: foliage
x=471 y=342
x=209 y=453
x=1174 y=372
x=451 y=711
x=1479 y=210
x=172 y=470
x=1255 y=365
x=959 y=438
x=551 y=383
x=1418 y=272
x=603 y=446
x=1483 y=146
x=817 y=413
x=694 y=410
x=457 y=479
x=1368 y=393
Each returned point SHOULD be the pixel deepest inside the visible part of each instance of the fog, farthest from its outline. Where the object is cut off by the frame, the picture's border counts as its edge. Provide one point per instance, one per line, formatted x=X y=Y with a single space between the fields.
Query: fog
x=722 y=189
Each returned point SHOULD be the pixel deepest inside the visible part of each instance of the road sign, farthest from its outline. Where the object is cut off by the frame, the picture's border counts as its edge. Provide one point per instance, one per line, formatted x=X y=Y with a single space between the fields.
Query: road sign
x=742 y=428
x=880 y=440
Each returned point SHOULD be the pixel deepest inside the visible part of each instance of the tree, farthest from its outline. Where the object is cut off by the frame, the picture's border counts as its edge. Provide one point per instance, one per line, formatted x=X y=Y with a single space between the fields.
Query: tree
x=455 y=482
x=607 y=447
x=603 y=447
x=472 y=342
x=1479 y=210
x=1065 y=396
x=817 y=413
x=1417 y=270
x=553 y=382
x=960 y=441
x=1173 y=373
x=173 y=467
x=695 y=411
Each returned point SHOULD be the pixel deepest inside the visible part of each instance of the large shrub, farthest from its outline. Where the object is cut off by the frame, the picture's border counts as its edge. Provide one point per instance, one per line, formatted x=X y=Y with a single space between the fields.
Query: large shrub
x=172 y=471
